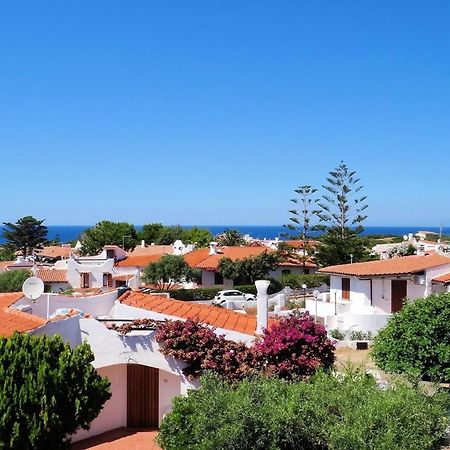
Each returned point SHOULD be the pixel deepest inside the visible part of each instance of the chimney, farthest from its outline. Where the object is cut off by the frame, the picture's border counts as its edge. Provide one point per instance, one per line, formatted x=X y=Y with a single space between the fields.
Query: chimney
x=213 y=248
x=262 y=300
x=143 y=243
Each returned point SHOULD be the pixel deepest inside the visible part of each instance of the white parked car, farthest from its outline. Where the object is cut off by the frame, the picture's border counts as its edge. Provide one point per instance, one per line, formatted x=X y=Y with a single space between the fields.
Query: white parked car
x=232 y=294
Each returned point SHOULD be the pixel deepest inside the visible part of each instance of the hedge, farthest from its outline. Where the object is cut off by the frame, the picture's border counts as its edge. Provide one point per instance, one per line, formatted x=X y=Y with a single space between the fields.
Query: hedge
x=202 y=294
x=325 y=413
x=312 y=281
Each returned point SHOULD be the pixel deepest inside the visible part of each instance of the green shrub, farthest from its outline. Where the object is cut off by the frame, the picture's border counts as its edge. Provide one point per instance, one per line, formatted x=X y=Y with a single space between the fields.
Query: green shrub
x=416 y=340
x=12 y=280
x=47 y=391
x=296 y=281
x=337 y=334
x=192 y=294
x=327 y=412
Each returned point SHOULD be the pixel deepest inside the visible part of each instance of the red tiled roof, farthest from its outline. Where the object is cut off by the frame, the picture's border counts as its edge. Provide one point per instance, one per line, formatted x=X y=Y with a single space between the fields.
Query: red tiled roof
x=151 y=250
x=300 y=244
x=138 y=260
x=394 y=266
x=201 y=259
x=444 y=279
x=52 y=275
x=210 y=315
x=55 y=251
x=13 y=320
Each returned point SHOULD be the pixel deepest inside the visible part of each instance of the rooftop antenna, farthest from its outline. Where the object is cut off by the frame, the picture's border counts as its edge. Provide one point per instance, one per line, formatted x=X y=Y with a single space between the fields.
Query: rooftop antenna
x=33 y=288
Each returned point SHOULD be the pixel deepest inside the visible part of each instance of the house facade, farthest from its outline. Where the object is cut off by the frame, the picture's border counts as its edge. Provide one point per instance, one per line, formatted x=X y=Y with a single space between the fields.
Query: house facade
x=387 y=283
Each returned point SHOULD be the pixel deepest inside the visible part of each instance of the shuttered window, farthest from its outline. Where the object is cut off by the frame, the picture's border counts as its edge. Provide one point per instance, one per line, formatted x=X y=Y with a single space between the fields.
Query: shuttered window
x=345 y=288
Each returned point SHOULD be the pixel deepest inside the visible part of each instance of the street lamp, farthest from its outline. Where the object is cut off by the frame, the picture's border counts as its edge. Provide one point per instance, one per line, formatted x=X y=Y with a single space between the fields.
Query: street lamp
x=316 y=294
x=304 y=294
x=351 y=258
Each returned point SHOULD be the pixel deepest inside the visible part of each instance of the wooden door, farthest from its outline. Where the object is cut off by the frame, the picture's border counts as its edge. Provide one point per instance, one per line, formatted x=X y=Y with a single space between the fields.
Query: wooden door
x=345 y=288
x=142 y=396
x=398 y=294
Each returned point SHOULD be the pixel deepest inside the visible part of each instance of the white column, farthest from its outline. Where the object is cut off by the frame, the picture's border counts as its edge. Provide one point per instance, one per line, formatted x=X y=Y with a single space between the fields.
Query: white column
x=262 y=300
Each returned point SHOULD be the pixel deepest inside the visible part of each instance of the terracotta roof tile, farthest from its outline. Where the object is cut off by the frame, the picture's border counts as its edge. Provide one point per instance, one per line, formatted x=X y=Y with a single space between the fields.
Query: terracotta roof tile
x=12 y=320
x=52 y=275
x=201 y=259
x=394 y=266
x=138 y=260
x=444 y=279
x=55 y=251
x=210 y=315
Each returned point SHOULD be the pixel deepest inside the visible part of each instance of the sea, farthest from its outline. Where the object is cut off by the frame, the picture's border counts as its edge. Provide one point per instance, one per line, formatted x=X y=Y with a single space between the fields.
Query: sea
x=68 y=233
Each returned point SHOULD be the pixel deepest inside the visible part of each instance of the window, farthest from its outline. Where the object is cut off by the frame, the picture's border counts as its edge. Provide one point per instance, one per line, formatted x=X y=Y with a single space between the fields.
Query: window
x=84 y=280
x=218 y=279
x=110 y=254
x=345 y=288
x=107 y=280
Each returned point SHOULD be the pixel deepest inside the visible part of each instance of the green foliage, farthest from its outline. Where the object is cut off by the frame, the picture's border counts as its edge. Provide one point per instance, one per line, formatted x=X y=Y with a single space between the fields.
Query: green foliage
x=198 y=236
x=108 y=233
x=248 y=270
x=13 y=280
x=47 y=391
x=327 y=412
x=342 y=206
x=167 y=271
x=297 y=281
x=26 y=234
x=7 y=252
x=193 y=294
x=151 y=232
x=230 y=238
x=337 y=334
x=334 y=249
x=160 y=234
x=416 y=340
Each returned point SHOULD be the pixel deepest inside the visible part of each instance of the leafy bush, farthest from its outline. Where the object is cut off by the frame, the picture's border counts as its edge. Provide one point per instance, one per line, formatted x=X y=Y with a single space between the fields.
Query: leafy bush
x=12 y=280
x=192 y=294
x=337 y=334
x=293 y=347
x=47 y=391
x=296 y=281
x=416 y=340
x=326 y=412
x=357 y=335
x=202 y=349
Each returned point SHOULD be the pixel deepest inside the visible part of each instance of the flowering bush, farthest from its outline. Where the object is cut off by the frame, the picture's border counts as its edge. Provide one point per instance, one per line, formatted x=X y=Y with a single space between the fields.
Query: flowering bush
x=294 y=347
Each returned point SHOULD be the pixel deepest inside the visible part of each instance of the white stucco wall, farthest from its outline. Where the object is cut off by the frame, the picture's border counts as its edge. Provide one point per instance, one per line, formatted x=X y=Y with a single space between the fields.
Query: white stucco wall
x=95 y=270
x=68 y=328
x=114 y=412
x=169 y=387
x=95 y=305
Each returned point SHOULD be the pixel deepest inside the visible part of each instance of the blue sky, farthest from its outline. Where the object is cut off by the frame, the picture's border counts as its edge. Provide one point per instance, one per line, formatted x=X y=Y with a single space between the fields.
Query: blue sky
x=212 y=112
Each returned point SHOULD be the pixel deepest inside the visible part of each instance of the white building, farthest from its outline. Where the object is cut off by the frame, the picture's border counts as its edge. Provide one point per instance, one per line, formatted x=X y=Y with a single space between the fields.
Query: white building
x=386 y=284
x=143 y=380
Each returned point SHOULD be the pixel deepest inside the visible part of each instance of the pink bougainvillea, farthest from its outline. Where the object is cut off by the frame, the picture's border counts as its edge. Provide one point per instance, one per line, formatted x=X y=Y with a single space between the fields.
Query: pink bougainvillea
x=293 y=347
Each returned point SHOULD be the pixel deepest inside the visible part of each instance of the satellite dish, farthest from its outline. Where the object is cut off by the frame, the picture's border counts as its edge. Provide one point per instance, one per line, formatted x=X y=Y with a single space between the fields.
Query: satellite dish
x=33 y=288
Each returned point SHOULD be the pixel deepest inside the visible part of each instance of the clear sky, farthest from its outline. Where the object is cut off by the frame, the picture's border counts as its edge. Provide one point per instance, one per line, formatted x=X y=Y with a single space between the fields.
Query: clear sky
x=212 y=112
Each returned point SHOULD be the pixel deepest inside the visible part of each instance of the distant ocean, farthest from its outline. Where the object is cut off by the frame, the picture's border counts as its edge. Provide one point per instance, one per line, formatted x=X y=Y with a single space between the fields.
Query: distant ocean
x=67 y=233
